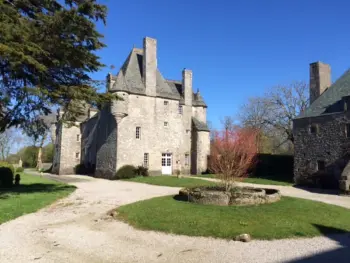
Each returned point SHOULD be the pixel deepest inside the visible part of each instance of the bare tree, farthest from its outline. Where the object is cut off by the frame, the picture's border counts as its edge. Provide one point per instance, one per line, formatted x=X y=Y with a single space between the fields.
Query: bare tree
x=274 y=112
x=232 y=154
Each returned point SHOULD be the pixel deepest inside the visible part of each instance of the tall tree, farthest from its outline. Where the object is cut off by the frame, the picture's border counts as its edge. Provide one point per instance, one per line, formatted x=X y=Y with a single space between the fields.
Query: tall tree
x=273 y=113
x=47 y=51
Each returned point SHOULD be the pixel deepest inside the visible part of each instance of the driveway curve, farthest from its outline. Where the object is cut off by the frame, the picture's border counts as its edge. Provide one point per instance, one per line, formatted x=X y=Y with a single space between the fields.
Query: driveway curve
x=76 y=229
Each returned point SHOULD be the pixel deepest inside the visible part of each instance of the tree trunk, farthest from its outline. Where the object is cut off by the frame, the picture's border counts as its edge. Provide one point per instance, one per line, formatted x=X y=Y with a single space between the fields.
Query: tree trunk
x=39 y=163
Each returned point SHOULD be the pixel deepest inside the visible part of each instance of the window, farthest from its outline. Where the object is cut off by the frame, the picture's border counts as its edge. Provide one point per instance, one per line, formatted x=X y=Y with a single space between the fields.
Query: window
x=347 y=130
x=166 y=102
x=145 y=160
x=187 y=131
x=166 y=159
x=180 y=109
x=321 y=166
x=187 y=159
x=138 y=132
x=77 y=155
x=313 y=128
x=78 y=137
x=165 y=124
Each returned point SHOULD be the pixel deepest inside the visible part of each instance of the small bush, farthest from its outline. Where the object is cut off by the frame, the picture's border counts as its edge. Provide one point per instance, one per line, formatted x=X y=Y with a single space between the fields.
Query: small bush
x=6 y=177
x=141 y=171
x=125 y=172
x=19 y=170
x=6 y=164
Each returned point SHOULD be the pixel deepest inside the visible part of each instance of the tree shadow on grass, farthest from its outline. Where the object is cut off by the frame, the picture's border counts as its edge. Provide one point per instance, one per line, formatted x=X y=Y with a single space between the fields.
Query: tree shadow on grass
x=339 y=255
x=33 y=188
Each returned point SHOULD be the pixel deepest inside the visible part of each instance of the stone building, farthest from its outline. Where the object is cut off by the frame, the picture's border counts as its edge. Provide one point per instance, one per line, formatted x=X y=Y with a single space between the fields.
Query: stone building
x=322 y=132
x=157 y=123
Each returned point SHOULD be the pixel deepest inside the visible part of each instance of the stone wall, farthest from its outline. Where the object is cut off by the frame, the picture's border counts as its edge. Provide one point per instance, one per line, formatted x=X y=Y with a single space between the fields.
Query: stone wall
x=200 y=113
x=67 y=149
x=203 y=151
x=106 y=144
x=151 y=114
x=88 y=141
x=329 y=145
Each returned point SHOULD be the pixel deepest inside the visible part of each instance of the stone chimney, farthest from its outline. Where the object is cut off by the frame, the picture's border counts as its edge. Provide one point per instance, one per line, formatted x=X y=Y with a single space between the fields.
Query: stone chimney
x=320 y=79
x=150 y=65
x=187 y=86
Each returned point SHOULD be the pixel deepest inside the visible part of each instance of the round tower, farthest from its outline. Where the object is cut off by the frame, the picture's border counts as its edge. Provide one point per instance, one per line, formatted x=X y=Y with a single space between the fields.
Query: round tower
x=120 y=107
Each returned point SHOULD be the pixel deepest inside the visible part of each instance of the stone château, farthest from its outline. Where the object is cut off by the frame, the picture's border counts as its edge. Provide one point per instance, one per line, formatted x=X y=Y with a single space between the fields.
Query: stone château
x=158 y=123
x=322 y=132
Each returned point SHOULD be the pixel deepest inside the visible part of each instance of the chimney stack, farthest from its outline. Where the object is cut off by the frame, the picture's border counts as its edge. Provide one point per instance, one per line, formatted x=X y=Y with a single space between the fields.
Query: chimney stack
x=150 y=65
x=187 y=86
x=320 y=79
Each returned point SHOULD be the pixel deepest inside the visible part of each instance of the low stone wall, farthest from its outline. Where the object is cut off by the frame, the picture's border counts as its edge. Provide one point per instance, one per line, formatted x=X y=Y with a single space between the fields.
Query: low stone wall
x=239 y=196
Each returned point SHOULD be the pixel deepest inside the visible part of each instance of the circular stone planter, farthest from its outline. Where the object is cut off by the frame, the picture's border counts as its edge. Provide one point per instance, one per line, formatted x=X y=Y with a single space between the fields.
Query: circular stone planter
x=237 y=196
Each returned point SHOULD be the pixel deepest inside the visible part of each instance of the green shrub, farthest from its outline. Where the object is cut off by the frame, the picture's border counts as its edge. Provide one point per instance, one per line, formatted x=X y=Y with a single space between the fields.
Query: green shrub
x=141 y=171
x=6 y=164
x=6 y=177
x=17 y=179
x=19 y=170
x=125 y=172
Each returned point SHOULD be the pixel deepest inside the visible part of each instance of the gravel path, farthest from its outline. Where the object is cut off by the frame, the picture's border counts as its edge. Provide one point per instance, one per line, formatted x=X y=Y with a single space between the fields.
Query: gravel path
x=76 y=229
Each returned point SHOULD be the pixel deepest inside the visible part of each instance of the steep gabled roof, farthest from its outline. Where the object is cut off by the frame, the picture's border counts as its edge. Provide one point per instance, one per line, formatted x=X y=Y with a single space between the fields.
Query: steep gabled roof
x=129 y=79
x=330 y=101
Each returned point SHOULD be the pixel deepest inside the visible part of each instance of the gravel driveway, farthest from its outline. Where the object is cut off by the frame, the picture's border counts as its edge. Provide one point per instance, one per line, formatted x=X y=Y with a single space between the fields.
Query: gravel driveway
x=76 y=229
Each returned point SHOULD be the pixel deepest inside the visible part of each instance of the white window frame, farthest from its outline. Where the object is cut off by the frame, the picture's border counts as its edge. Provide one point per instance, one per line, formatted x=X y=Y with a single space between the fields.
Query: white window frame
x=146 y=160
x=138 y=133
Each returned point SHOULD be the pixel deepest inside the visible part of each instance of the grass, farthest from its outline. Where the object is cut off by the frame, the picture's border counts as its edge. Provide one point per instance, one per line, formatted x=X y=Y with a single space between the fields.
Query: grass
x=34 y=193
x=171 y=181
x=290 y=217
x=258 y=180
x=191 y=182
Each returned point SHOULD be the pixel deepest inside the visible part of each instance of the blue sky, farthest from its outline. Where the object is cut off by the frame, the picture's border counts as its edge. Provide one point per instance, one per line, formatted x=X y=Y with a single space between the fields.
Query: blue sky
x=236 y=49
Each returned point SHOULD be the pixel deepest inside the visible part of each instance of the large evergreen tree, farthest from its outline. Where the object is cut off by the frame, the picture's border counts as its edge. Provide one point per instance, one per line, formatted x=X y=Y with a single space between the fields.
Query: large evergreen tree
x=47 y=51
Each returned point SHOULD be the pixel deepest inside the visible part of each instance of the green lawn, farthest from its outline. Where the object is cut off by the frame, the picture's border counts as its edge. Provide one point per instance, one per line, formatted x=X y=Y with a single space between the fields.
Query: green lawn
x=290 y=217
x=257 y=180
x=171 y=181
x=34 y=193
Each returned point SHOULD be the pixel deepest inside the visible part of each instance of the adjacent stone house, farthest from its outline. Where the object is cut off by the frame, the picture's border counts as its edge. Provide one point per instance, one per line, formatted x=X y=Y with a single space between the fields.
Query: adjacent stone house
x=322 y=131
x=158 y=123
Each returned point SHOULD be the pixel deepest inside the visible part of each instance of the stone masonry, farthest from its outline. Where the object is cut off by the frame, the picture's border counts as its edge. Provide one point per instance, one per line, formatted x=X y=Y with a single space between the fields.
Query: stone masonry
x=322 y=132
x=157 y=123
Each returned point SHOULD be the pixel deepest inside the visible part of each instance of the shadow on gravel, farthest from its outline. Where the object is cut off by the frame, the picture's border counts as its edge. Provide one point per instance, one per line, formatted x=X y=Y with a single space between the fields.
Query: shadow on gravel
x=340 y=255
x=33 y=188
x=318 y=190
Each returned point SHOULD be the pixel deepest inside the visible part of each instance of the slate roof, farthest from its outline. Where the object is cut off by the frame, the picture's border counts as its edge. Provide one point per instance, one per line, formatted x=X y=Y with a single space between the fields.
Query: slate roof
x=199 y=125
x=129 y=79
x=330 y=101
